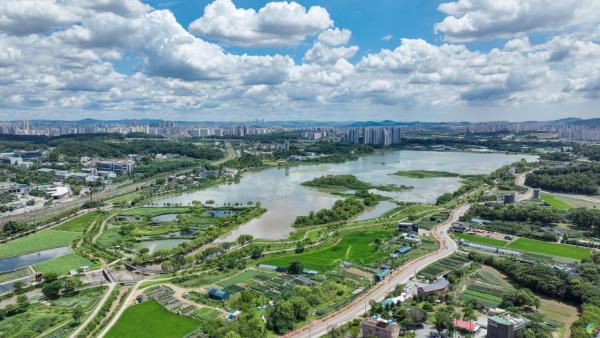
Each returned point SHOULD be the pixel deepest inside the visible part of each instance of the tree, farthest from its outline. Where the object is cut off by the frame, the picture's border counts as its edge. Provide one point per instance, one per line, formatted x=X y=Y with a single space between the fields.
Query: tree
x=69 y=284
x=281 y=318
x=296 y=268
x=52 y=290
x=256 y=252
x=22 y=301
x=78 y=314
x=443 y=320
x=300 y=307
x=50 y=277
x=143 y=251
x=232 y=334
x=242 y=239
x=522 y=297
x=18 y=286
x=299 y=247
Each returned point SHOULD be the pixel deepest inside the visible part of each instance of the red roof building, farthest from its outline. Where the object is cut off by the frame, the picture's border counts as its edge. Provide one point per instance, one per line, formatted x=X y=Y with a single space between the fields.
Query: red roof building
x=465 y=326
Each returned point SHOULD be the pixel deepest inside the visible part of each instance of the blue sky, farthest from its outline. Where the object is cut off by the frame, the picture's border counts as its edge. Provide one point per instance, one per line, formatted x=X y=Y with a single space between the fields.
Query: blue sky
x=239 y=59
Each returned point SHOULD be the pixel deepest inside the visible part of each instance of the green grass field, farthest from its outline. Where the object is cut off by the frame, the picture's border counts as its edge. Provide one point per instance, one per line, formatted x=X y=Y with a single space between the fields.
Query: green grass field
x=555 y=202
x=554 y=249
x=206 y=313
x=239 y=278
x=151 y=320
x=155 y=211
x=425 y=173
x=79 y=223
x=43 y=240
x=355 y=246
x=126 y=197
x=63 y=264
x=481 y=297
x=480 y=239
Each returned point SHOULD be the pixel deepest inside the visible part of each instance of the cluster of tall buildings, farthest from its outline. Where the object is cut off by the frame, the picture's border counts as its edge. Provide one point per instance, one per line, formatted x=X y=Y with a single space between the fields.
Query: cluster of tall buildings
x=568 y=131
x=381 y=136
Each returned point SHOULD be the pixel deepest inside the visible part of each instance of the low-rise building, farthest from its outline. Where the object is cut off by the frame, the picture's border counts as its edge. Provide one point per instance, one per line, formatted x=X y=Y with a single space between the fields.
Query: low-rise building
x=380 y=328
x=505 y=325
x=408 y=228
x=116 y=166
x=440 y=285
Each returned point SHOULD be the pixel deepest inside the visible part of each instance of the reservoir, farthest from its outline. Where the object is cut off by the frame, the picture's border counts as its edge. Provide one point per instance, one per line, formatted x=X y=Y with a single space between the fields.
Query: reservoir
x=280 y=191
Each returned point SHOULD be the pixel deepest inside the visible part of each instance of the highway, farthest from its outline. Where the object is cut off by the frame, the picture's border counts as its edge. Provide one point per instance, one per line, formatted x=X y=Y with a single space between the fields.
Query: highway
x=378 y=292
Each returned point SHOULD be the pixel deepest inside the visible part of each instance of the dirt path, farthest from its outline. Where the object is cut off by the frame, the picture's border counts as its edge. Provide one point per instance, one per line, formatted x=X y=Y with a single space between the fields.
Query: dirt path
x=94 y=312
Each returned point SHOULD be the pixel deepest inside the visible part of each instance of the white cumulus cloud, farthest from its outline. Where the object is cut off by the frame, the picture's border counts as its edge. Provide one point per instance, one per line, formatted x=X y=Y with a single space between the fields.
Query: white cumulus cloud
x=277 y=23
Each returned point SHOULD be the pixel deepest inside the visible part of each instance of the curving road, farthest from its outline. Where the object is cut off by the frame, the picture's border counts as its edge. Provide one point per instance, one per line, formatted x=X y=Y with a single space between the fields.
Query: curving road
x=92 y=315
x=355 y=309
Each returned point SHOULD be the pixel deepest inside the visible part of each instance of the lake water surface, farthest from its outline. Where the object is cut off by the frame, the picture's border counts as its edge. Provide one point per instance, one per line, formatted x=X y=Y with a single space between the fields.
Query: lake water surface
x=280 y=190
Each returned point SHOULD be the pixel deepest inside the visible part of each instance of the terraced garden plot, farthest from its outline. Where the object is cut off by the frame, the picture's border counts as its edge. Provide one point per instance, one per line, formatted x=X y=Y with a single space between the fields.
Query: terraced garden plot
x=43 y=240
x=447 y=264
x=355 y=246
x=79 y=223
x=151 y=320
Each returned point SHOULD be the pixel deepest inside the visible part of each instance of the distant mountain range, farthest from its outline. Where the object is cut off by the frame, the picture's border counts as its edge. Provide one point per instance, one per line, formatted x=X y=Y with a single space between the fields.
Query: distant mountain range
x=594 y=122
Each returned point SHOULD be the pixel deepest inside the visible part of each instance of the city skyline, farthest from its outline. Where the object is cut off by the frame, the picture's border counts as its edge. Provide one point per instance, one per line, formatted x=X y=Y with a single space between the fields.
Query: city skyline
x=332 y=60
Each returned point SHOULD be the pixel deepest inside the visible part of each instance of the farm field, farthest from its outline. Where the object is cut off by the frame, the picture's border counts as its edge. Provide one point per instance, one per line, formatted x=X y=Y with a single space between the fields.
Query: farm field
x=355 y=246
x=79 y=223
x=43 y=240
x=452 y=262
x=63 y=264
x=41 y=317
x=425 y=173
x=481 y=239
x=240 y=278
x=553 y=249
x=555 y=202
x=156 y=321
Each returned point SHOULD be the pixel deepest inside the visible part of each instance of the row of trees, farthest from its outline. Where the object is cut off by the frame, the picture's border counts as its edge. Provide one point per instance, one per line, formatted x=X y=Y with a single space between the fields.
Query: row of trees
x=579 y=179
x=341 y=210
x=516 y=213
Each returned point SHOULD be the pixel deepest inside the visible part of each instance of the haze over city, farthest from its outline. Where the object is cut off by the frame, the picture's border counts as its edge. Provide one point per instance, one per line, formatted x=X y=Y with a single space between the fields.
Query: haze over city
x=320 y=60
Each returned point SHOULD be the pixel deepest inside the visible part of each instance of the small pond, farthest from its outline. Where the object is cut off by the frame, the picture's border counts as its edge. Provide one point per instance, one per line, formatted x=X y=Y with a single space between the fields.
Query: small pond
x=165 y=218
x=18 y=262
x=160 y=244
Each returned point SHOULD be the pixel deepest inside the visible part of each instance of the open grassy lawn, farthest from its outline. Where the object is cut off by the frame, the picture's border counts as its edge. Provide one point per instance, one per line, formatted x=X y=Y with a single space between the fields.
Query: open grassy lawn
x=480 y=239
x=554 y=249
x=151 y=320
x=239 y=278
x=155 y=211
x=79 y=223
x=43 y=240
x=482 y=298
x=555 y=202
x=354 y=246
x=63 y=264
x=206 y=313
x=425 y=173
x=126 y=197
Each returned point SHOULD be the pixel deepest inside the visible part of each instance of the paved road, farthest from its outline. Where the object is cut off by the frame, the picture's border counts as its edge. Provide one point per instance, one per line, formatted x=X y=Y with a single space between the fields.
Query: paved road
x=83 y=325
x=355 y=309
x=520 y=181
